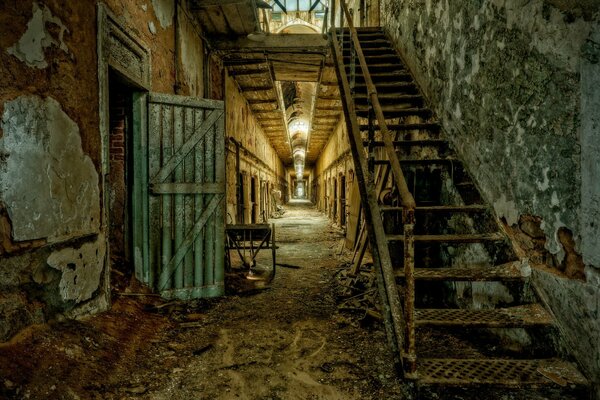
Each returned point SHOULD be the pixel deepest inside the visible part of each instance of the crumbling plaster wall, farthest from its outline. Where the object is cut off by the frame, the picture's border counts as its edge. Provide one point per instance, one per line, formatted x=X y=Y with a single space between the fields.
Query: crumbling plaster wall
x=153 y=23
x=514 y=84
x=49 y=161
x=52 y=236
x=257 y=155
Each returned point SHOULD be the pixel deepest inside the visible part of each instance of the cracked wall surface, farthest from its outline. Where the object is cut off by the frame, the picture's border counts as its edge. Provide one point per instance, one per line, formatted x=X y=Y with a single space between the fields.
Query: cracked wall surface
x=49 y=186
x=30 y=47
x=81 y=269
x=51 y=149
x=512 y=83
x=49 y=158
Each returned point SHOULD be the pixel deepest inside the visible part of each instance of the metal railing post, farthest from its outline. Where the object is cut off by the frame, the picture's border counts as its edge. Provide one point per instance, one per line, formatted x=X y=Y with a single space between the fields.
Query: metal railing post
x=409 y=291
x=332 y=23
x=406 y=197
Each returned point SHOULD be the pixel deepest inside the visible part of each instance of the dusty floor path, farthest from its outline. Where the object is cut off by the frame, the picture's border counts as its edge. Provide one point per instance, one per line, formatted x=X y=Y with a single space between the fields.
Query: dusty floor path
x=285 y=342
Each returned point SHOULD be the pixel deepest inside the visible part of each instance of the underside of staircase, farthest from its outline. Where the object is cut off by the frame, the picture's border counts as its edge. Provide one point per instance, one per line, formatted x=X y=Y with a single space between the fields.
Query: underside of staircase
x=465 y=320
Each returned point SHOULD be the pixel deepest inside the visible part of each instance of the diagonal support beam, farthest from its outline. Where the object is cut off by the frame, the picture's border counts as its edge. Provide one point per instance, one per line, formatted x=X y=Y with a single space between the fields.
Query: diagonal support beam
x=180 y=154
x=186 y=245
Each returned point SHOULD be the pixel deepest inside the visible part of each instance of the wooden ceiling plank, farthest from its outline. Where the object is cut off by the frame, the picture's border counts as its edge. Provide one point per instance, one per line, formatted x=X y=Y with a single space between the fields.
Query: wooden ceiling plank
x=255 y=88
x=232 y=17
x=248 y=72
x=214 y=3
x=302 y=42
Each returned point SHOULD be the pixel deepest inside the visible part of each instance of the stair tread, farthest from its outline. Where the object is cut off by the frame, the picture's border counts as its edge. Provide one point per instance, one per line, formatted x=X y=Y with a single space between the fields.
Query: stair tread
x=386 y=84
x=382 y=65
x=499 y=372
x=420 y=161
x=405 y=127
x=510 y=317
x=509 y=271
x=391 y=107
x=455 y=238
x=416 y=142
x=397 y=72
x=382 y=49
x=442 y=208
x=388 y=55
x=389 y=96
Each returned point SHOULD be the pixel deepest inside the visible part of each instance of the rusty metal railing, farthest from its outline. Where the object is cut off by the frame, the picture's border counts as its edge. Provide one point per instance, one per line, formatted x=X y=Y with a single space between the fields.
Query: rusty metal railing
x=402 y=325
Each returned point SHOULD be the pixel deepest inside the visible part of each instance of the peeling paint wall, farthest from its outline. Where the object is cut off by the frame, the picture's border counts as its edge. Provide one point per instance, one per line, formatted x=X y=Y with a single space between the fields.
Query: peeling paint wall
x=514 y=84
x=52 y=236
x=48 y=185
x=49 y=160
x=30 y=48
x=164 y=11
x=80 y=268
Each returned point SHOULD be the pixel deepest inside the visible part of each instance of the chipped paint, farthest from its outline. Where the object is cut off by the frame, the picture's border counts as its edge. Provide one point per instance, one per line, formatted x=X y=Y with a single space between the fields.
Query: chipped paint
x=81 y=269
x=164 y=11
x=49 y=186
x=37 y=38
x=525 y=76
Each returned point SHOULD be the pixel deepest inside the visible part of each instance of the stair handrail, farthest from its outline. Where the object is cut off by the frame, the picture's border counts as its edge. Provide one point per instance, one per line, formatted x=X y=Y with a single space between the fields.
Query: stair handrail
x=406 y=198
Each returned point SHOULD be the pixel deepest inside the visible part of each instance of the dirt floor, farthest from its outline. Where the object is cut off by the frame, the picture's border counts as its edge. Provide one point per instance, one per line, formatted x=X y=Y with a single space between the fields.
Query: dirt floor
x=284 y=340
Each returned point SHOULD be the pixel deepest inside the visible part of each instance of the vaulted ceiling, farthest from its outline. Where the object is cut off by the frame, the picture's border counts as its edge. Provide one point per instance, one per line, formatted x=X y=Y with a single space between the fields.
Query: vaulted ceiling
x=285 y=77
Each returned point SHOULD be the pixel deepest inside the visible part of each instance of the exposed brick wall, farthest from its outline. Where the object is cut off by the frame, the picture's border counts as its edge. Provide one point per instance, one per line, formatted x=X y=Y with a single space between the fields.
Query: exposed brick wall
x=117 y=181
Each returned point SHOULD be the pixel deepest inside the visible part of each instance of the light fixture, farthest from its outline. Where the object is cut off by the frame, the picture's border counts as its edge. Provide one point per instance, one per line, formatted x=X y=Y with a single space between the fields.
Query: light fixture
x=257 y=36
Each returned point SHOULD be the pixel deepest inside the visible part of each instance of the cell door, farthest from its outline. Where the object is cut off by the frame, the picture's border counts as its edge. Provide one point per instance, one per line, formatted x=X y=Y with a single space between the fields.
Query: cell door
x=178 y=195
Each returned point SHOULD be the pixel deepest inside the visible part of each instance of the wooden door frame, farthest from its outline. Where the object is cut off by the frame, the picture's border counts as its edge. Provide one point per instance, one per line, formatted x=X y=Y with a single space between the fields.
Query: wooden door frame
x=117 y=48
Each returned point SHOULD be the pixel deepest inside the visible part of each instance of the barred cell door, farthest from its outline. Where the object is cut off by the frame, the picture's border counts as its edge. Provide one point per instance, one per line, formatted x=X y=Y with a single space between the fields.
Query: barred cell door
x=178 y=195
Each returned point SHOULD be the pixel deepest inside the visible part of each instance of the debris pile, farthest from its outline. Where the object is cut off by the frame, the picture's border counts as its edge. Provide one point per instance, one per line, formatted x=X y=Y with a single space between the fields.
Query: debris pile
x=357 y=293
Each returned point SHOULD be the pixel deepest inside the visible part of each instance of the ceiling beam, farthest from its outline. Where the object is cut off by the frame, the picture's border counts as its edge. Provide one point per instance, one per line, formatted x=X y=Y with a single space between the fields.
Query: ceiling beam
x=242 y=62
x=248 y=72
x=281 y=43
x=216 y=3
x=256 y=88
x=260 y=101
x=323 y=108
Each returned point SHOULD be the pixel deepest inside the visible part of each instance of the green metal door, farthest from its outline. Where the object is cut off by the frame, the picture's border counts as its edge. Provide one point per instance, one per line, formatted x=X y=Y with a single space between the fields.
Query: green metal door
x=178 y=195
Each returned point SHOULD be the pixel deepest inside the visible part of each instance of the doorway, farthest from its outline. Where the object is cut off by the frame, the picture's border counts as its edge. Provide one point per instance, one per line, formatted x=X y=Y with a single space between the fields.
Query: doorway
x=241 y=198
x=120 y=115
x=253 y=201
x=335 y=199
x=342 y=200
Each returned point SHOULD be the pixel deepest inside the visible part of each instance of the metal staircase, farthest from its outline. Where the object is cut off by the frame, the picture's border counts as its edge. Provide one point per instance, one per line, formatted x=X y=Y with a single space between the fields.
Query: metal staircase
x=426 y=223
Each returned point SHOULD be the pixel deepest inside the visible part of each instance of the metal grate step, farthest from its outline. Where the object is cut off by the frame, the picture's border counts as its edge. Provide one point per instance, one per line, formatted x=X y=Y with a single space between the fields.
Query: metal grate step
x=386 y=87
x=424 y=161
x=405 y=127
x=409 y=143
x=471 y=208
x=512 y=271
x=372 y=50
x=394 y=111
x=378 y=58
x=511 y=317
x=461 y=238
x=498 y=372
